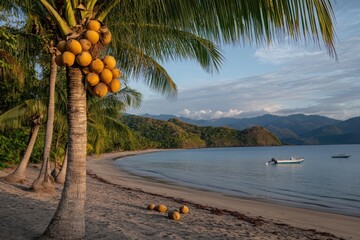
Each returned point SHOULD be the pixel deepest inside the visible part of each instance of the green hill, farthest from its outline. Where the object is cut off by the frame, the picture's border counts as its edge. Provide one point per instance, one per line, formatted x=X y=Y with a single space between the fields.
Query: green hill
x=163 y=133
x=178 y=134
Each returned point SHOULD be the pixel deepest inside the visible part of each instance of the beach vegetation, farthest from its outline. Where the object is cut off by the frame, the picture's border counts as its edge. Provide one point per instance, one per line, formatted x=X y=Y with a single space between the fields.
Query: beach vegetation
x=12 y=143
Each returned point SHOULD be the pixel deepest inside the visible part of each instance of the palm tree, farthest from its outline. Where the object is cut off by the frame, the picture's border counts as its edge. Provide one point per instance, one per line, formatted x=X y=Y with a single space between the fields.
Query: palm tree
x=35 y=26
x=31 y=111
x=44 y=180
x=14 y=71
x=197 y=24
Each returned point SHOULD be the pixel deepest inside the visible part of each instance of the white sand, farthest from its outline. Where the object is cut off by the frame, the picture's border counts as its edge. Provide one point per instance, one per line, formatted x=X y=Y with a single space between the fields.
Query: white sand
x=116 y=209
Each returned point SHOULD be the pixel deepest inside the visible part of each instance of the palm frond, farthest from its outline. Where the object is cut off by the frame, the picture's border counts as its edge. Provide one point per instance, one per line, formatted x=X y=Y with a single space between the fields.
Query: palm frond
x=137 y=64
x=165 y=43
x=130 y=97
x=103 y=118
x=23 y=114
x=239 y=21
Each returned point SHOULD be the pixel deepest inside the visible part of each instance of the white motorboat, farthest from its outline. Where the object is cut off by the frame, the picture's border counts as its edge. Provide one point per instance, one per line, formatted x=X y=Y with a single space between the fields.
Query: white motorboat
x=286 y=161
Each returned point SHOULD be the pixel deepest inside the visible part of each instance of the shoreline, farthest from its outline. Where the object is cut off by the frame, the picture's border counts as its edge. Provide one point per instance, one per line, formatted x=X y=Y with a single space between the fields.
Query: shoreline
x=103 y=167
x=255 y=199
x=116 y=202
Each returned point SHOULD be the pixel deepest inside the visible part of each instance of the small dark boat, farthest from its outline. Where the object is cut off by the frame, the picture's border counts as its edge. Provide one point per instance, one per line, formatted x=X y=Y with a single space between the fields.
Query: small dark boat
x=341 y=156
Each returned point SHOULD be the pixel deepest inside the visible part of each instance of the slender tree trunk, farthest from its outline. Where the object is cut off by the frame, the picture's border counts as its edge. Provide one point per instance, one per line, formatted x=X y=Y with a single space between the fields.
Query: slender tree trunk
x=45 y=181
x=19 y=174
x=69 y=219
x=60 y=178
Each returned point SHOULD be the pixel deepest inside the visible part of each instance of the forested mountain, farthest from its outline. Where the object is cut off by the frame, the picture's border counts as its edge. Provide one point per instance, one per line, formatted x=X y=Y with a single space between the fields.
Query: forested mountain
x=344 y=132
x=175 y=133
x=293 y=129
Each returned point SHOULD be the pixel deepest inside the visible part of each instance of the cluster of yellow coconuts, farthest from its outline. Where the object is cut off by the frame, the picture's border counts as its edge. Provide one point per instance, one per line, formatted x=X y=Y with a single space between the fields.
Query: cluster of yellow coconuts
x=101 y=75
x=174 y=215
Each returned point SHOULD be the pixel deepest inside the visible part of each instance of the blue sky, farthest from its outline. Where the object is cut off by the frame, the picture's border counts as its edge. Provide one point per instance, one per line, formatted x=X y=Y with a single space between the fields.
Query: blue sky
x=279 y=79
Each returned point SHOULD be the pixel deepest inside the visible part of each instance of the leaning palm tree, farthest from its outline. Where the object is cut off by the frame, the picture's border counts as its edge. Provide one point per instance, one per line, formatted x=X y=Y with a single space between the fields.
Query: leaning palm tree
x=34 y=27
x=44 y=28
x=44 y=181
x=229 y=21
x=31 y=111
x=15 y=70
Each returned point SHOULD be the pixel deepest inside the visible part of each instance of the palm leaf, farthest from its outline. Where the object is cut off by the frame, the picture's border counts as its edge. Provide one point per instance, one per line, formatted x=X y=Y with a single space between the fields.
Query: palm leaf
x=239 y=21
x=137 y=64
x=165 y=43
x=22 y=114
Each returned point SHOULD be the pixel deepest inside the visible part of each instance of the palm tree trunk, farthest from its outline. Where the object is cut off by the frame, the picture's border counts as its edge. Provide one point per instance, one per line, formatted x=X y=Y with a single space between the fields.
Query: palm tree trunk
x=44 y=181
x=69 y=219
x=51 y=108
x=60 y=178
x=19 y=174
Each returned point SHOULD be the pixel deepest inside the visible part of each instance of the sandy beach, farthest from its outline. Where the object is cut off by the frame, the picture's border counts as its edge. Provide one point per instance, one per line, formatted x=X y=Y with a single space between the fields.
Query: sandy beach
x=116 y=209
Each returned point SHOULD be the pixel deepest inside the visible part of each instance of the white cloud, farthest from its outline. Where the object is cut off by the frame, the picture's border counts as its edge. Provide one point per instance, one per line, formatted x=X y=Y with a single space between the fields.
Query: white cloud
x=208 y=113
x=284 y=53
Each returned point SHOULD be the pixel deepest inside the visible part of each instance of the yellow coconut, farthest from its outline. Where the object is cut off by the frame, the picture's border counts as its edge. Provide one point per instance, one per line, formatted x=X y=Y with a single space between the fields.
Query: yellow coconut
x=92 y=36
x=97 y=65
x=61 y=46
x=85 y=70
x=106 y=76
x=114 y=85
x=109 y=62
x=58 y=60
x=106 y=39
x=151 y=206
x=92 y=79
x=85 y=44
x=116 y=73
x=68 y=58
x=161 y=208
x=73 y=46
x=174 y=215
x=100 y=89
x=184 y=209
x=84 y=58
x=93 y=25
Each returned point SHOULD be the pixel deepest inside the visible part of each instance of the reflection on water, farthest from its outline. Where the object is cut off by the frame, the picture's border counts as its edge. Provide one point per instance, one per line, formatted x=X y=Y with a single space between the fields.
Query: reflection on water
x=319 y=182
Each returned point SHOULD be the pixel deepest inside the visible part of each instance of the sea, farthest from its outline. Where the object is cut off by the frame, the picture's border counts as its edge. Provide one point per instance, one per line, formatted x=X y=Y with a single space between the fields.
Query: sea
x=320 y=182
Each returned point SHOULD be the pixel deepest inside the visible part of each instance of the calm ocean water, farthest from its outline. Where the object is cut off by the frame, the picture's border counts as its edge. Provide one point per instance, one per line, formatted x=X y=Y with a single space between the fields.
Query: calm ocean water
x=320 y=182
